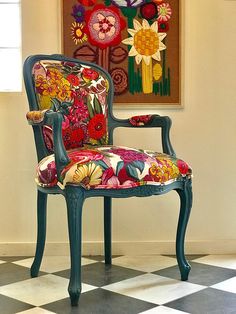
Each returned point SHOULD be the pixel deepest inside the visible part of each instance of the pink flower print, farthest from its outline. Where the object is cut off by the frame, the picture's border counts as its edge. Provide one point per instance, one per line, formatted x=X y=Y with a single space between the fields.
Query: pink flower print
x=128 y=155
x=65 y=123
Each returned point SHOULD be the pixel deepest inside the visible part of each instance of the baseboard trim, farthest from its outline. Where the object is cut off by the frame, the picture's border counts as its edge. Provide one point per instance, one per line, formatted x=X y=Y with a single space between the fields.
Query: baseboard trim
x=123 y=248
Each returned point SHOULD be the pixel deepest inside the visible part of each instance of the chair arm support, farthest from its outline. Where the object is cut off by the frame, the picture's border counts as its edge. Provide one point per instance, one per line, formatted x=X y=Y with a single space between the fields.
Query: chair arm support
x=150 y=121
x=49 y=117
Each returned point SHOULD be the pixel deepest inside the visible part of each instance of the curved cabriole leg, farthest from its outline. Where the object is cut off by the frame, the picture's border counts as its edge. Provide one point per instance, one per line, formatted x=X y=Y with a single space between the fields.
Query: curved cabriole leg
x=74 y=200
x=107 y=229
x=41 y=233
x=185 y=209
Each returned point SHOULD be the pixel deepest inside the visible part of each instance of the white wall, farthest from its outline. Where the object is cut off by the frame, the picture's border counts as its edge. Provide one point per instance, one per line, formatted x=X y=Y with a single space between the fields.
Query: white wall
x=203 y=133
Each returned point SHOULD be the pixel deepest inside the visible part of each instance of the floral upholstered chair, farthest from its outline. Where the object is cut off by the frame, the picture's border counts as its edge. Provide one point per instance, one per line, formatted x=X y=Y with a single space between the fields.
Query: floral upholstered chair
x=71 y=115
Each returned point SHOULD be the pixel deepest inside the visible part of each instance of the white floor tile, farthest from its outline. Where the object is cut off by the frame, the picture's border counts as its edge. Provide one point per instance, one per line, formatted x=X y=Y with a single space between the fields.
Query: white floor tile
x=52 y=264
x=163 y=310
x=40 y=290
x=227 y=285
x=36 y=310
x=226 y=261
x=153 y=288
x=145 y=263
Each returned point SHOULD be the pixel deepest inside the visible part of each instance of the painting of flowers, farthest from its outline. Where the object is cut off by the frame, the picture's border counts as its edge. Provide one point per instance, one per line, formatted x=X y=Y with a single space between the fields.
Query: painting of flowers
x=136 y=41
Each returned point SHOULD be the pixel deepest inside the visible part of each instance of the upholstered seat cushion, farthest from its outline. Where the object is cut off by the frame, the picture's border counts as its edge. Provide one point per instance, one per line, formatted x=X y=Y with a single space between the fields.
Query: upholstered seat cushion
x=112 y=167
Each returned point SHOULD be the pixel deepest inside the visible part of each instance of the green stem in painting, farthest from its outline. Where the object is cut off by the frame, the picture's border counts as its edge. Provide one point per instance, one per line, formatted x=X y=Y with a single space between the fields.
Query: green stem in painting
x=130 y=13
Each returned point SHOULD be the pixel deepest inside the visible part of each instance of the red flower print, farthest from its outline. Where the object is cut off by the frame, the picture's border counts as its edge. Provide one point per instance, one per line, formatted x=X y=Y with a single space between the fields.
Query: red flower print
x=109 y=178
x=73 y=79
x=140 y=120
x=77 y=135
x=124 y=177
x=90 y=74
x=183 y=167
x=97 y=126
x=73 y=138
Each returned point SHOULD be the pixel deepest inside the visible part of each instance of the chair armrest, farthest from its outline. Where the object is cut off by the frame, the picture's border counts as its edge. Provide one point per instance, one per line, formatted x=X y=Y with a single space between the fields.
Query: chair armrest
x=49 y=117
x=36 y=117
x=150 y=121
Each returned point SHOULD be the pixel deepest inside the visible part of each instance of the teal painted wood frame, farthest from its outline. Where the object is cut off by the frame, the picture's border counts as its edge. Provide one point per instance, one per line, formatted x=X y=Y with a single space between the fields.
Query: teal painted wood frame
x=76 y=195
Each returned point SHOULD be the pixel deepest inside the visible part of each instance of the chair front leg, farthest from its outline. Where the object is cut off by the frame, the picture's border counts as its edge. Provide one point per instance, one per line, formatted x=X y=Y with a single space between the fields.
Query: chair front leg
x=74 y=200
x=107 y=229
x=185 y=209
x=41 y=233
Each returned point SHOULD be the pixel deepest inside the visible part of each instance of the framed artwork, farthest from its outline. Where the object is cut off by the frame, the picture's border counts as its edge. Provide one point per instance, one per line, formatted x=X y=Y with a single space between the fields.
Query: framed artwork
x=136 y=41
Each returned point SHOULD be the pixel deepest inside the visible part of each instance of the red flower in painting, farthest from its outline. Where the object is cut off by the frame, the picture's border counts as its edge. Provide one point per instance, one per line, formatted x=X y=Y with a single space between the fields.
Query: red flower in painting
x=104 y=25
x=163 y=27
x=97 y=126
x=90 y=74
x=87 y=3
x=148 y=10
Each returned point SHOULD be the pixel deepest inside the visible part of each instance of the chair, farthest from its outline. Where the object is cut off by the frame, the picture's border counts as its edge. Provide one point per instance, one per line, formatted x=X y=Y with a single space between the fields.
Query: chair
x=71 y=114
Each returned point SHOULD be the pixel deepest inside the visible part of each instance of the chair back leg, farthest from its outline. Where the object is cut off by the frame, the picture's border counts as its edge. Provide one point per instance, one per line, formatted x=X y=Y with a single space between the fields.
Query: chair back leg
x=107 y=229
x=74 y=200
x=185 y=209
x=41 y=233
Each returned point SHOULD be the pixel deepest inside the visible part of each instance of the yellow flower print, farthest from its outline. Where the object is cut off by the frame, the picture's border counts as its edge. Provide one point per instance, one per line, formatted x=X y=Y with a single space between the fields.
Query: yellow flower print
x=40 y=80
x=64 y=92
x=88 y=175
x=164 y=171
x=54 y=74
x=49 y=89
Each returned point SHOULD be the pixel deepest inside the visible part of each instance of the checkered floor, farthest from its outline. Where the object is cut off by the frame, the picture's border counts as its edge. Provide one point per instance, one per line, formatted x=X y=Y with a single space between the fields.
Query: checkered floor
x=141 y=284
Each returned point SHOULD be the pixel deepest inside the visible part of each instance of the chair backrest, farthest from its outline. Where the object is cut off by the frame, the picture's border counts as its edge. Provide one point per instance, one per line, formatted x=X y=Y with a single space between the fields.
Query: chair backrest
x=82 y=91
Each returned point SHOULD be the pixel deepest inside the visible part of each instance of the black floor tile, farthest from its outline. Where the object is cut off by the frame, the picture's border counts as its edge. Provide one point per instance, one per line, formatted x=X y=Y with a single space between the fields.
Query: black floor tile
x=99 y=258
x=10 y=306
x=99 y=274
x=100 y=301
x=200 y=274
x=10 y=273
x=13 y=258
x=207 y=301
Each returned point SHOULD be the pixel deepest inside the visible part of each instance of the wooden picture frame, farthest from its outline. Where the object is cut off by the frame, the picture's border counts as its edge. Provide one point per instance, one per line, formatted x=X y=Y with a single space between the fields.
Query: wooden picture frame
x=144 y=62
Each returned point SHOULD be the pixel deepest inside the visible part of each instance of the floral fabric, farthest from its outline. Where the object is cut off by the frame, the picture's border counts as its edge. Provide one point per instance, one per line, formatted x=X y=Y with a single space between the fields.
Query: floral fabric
x=111 y=167
x=140 y=120
x=80 y=94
